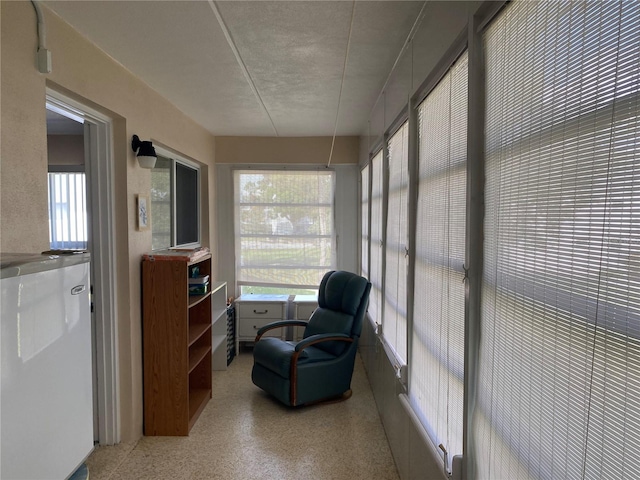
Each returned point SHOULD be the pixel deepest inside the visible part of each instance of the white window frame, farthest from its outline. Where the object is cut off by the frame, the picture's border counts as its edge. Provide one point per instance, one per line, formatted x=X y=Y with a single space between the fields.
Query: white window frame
x=436 y=370
x=283 y=287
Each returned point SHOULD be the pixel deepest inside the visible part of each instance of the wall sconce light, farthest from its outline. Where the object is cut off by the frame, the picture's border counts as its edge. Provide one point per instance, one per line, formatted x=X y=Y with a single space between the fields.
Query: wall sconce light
x=145 y=152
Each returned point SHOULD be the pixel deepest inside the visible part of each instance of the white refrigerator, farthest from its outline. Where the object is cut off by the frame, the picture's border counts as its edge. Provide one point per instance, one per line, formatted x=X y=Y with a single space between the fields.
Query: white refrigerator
x=46 y=407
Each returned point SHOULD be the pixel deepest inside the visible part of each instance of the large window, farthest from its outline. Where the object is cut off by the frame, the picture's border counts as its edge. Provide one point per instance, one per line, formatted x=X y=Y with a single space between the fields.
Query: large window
x=175 y=203
x=364 y=215
x=284 y=230
x=437 y=359
x=394 y=324
x=376 y=238
x=559 y=373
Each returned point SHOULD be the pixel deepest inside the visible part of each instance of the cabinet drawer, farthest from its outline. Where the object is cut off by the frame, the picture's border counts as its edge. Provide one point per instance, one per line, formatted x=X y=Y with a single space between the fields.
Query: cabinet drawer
x=304 y=311
x=254 y=311
x=249 y=327
x=261 y=311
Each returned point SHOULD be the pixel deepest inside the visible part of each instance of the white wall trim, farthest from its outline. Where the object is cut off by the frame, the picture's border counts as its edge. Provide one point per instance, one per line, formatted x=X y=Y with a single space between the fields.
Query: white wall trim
x=100 y=173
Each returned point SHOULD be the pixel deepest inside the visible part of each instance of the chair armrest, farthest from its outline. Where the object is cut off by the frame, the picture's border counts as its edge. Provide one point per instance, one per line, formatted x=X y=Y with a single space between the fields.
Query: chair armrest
x=322 y=337
x=280 y=324
x=301 y=345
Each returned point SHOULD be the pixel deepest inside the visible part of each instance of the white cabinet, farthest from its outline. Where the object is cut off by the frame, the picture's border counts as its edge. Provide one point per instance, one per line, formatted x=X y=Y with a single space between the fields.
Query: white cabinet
x=254 y=311
x=219 y=325
x=303 y=307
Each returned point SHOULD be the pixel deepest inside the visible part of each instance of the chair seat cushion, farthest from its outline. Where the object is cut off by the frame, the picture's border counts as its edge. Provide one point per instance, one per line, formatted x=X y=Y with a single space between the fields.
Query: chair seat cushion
x=275 y=355
x=314 y=354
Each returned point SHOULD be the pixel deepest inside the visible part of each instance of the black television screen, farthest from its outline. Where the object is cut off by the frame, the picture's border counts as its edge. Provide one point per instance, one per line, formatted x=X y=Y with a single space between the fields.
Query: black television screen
x=187 y=205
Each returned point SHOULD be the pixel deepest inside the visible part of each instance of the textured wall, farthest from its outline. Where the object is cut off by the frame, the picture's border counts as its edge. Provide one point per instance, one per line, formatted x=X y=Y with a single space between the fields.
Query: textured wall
x=87 y=75
x=23 y=141
x=278 y=150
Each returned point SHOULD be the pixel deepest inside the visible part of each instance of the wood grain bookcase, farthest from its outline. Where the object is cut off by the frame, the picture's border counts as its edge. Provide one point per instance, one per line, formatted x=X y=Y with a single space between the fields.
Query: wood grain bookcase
x=177 y=348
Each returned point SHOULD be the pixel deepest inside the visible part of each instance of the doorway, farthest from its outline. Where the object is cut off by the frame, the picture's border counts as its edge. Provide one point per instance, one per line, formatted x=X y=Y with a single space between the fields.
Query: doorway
x=83 y=161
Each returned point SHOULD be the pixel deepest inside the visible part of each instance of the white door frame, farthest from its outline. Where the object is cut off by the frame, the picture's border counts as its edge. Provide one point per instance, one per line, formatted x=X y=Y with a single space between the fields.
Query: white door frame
x=99 y=173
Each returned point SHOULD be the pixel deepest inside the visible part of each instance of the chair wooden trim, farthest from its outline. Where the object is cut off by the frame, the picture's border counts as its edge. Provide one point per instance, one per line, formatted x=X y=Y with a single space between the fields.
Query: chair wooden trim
x=281 y=324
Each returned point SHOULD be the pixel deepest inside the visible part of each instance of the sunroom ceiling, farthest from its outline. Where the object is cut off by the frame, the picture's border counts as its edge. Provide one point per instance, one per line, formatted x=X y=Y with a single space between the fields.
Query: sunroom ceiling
x=260 y=68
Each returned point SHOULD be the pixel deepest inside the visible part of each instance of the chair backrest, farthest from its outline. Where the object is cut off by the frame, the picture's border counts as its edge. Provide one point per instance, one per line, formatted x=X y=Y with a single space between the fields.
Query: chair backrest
x=342 y=302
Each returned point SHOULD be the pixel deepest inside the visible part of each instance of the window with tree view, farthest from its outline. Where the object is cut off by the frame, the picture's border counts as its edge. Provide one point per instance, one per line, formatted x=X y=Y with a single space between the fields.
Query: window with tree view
x=284 y=230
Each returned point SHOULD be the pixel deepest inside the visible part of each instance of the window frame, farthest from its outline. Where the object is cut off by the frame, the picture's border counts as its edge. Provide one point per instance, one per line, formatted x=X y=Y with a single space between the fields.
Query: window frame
x=376 y=252
x=452 y=265
x=396 y=342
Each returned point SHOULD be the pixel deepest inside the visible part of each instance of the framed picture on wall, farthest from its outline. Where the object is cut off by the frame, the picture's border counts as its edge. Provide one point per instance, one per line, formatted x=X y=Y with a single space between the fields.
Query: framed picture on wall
x=142 y=207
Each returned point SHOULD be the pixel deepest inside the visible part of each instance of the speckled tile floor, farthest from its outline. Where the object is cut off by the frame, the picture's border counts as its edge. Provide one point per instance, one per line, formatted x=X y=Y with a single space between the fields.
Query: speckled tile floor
x=245 y=434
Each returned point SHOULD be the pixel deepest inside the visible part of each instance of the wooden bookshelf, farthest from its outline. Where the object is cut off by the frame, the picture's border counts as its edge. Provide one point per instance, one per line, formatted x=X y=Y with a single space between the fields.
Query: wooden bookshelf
x=177 y=349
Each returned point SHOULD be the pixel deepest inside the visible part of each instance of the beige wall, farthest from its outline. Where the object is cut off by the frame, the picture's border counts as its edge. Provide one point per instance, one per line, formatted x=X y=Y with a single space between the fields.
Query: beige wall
x=86 y=74
x=279 y=150
x=65 y=149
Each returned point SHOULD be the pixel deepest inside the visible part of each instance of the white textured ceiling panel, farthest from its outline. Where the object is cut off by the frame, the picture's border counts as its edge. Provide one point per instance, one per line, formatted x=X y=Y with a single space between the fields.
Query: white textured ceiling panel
x=294 y=53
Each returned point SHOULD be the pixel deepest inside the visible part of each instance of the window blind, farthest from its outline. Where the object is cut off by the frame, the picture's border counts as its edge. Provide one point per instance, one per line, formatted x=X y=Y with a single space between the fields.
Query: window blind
x=394 y=324
x=364 y=216
x=284 y=227
x=437 y=359
x=559 y=373
x=67 y=211
x=377 y=191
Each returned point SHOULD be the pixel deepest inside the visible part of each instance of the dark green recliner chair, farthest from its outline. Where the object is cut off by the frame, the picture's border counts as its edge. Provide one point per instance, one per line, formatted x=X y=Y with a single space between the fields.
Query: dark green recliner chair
x=320 y=366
